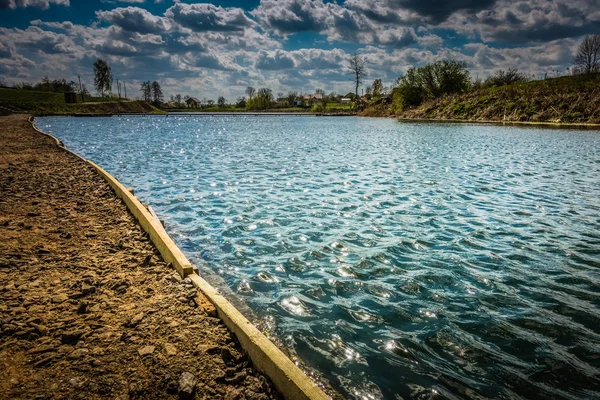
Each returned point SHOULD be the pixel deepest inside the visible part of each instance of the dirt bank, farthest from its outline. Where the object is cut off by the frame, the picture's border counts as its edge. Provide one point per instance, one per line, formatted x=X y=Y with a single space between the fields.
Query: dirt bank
x=88 y=308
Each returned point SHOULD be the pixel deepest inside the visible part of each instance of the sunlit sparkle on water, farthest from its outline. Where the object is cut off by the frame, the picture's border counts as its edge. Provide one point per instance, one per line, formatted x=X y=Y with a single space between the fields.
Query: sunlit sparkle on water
x=395 y=259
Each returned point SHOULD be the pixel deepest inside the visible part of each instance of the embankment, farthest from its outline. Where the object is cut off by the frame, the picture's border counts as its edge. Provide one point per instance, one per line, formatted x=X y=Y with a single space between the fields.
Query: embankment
x=564 y=100
x=44 y=103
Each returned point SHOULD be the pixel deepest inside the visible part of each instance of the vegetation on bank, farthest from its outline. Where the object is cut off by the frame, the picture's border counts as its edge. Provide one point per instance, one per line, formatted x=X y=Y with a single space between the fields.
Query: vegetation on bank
x=444 y=91
x=36 y=102
x=567 y=99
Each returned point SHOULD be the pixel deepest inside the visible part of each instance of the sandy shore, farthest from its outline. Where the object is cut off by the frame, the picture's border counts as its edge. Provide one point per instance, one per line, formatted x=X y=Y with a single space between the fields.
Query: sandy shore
x=88 y=308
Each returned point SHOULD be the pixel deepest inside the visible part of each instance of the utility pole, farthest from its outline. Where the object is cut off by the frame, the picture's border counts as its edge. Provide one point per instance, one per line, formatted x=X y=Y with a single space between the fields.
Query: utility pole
x=118 y=88
x=81 y=89
x=125 y=88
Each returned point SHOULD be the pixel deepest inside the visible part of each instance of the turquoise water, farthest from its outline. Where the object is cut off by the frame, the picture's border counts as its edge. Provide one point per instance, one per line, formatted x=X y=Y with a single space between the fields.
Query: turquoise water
x=396 y=260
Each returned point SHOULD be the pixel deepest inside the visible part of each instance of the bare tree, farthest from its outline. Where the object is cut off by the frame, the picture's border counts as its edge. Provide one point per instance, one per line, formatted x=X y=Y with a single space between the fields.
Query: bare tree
x=587 y=58
x=250 y=91
x=356 y=67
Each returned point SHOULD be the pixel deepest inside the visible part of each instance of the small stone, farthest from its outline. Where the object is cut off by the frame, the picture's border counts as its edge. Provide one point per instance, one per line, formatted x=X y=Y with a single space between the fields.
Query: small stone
x=76 y=382
x=44 y=361
x=136 y=320
x=147 y=350
x=65 y=349
x=78 y=353
x=70 y=337
x=175 y=278
x=228 y=358
x=147 y=260
x=82 y=308
x=42 y=349
x=187 y=385
x=170 y=350
x=59 y=298
x=87 y=289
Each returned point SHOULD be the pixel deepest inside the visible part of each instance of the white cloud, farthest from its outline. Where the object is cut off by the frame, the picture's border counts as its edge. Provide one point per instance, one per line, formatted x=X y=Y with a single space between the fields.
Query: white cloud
x=43 y=4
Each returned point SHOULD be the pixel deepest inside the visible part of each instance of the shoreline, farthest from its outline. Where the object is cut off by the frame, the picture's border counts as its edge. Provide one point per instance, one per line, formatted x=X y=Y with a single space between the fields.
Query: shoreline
x=557 y=125
x=547 y=124
x=106 y=316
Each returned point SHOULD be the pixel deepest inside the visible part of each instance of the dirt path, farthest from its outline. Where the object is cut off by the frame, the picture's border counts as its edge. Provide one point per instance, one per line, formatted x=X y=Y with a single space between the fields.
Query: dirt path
x=88 y=309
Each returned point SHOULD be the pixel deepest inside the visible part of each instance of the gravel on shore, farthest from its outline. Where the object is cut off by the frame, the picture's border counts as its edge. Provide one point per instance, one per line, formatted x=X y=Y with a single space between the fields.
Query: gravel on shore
x=88 y=308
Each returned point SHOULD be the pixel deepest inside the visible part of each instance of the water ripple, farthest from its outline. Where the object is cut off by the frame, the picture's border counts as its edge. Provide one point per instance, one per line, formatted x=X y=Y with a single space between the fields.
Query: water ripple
x=397 y=260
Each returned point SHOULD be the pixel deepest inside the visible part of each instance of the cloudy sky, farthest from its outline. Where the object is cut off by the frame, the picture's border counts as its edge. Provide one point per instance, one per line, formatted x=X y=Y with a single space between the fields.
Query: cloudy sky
x=219 y=48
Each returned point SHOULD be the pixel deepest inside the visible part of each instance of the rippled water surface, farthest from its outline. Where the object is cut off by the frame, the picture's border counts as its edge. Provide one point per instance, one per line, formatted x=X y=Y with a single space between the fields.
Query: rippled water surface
x=396 y=260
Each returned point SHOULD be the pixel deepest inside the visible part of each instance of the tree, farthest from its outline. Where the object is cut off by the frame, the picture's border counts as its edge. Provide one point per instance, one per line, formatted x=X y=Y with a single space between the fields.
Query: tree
x=241 y=102
x=250 y=92
x=102 y=76
x=587 y=58
x=261 y=101
x=431 y=81
x=356 y=67
x=157 y=94
x=291 y=98
x=221 y=101
x=146 y=90
x=377 y=88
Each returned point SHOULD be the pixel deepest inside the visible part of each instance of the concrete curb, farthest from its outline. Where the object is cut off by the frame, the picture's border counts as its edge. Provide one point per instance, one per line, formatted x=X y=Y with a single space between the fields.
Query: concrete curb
x=289 y=380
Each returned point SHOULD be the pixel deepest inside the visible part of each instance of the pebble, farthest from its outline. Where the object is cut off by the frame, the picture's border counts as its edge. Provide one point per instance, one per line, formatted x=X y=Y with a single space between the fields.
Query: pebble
x=59 y=298
x=170 y=349
x=136 y=320
x=146 y=350
x=87 y=289
x=78 y=353
x=187 y=385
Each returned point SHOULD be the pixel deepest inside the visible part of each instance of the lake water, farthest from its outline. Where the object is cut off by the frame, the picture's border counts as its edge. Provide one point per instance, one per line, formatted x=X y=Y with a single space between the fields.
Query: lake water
x=395 y=260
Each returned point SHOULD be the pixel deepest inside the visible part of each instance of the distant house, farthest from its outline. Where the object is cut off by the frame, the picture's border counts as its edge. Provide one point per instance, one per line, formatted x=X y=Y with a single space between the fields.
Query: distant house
x=311 y=97
x=193 y=102
x=345 y=100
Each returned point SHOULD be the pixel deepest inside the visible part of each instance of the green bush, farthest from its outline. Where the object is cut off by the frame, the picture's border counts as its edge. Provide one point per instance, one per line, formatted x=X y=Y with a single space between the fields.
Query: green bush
x=432 y=81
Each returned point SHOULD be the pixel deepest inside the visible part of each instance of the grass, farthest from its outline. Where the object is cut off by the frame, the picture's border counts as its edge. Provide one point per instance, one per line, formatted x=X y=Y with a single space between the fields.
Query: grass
x=568 y=99
x=47 y=103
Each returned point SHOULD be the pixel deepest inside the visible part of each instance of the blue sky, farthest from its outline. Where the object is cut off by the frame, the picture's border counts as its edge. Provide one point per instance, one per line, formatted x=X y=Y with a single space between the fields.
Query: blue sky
x=219 y=48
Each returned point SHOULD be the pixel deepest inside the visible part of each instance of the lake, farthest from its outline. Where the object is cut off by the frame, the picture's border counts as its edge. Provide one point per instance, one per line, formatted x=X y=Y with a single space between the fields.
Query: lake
x=395 y=260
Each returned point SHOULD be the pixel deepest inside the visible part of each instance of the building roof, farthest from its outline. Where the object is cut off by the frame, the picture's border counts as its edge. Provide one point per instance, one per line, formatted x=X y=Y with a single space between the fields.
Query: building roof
x=316 y=96
x=194 y=99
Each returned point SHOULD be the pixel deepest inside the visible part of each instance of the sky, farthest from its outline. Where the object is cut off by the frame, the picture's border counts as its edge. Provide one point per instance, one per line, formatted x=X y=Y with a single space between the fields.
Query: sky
x=219 y=48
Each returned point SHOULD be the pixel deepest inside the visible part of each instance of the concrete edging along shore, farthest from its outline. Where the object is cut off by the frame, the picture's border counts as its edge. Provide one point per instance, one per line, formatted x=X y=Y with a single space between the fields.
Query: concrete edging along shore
x=289 y=380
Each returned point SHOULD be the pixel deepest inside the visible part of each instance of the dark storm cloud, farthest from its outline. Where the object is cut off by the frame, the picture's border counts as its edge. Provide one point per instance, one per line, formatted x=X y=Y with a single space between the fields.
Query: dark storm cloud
x=203 y=17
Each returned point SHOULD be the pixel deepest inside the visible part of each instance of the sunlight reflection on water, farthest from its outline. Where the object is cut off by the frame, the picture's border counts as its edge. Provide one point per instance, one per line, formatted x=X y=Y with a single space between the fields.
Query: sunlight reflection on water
x=415 y=260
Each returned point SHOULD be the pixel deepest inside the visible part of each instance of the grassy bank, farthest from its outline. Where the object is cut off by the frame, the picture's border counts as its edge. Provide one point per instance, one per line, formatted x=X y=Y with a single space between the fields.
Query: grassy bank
x=47 y=103
x=568 y=99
